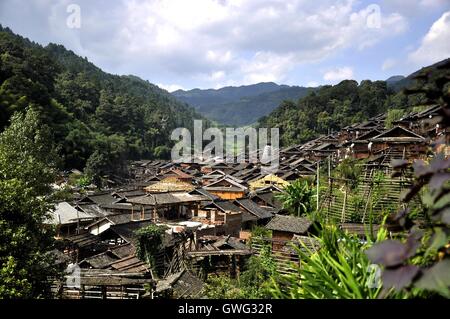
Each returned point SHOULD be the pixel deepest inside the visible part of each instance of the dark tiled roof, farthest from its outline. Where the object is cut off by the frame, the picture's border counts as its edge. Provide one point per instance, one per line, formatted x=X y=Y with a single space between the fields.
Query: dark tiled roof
x=233 y=185
x=119 y=218
x=184 y=284
x=130 y=264
x=291 y=224
x=229 y=241
x=270 y=199
x=167 y=198
x=99 y=261
x=247 y=217
x=100 y=199
x=123 y=251
x=253 y=208
x=126 y=231
x=83 y=240
x=224 y=206
x=398 y=133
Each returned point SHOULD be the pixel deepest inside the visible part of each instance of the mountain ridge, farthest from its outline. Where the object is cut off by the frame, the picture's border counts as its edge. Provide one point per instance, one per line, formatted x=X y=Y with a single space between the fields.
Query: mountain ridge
x=98 y=120
x=240 y=105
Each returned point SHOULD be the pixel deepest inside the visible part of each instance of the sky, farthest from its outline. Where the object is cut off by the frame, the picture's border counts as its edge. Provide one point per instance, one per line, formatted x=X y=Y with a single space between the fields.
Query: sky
x=181 y=44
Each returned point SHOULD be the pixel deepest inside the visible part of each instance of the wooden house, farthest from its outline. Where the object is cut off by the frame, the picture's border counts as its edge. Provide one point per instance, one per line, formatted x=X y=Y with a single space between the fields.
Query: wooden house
x=228 y=215
x=167 y=206
x=228 y=169
x=360 y=147
x=399 y=143
x=68 y=219
x=262 y=216
x=285 y=227
x=179 y=174
x=170 y=184
x=266 y=197
x=422 y=122
x=267 y=180
x=226 y=188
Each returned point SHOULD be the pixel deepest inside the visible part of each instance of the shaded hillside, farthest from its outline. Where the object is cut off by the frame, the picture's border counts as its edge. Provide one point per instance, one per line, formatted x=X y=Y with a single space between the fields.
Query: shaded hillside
x=240 y=105
x=331 y=108
x=409 y=80
x=98 y=119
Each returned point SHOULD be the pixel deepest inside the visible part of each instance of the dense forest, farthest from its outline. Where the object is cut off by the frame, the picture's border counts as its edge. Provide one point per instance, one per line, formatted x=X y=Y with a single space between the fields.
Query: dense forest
x=331 y=108
x=97 y=120
x=241 y=105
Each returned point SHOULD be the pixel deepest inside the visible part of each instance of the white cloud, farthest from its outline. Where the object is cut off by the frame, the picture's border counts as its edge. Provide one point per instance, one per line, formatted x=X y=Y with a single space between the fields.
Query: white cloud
x=338 y=74
x=435 y=46
x=414 y=8
x=388 y=64
x=312 y=84
x=171 y=87
x=433 y=3
x=212 y=41
x=266 y=67
x=244 y=42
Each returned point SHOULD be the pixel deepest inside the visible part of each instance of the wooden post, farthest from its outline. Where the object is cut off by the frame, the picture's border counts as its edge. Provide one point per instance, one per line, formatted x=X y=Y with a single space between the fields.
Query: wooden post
x=329 y=171
x=197 y=205
x=317 y=203
x=82 y=292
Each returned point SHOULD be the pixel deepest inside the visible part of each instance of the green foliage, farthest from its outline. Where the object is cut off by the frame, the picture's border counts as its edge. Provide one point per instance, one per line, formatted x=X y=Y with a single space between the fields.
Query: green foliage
x=330 y=108
x=239 y=106
x=422 y=261
x=149 y=242
x=261 y=232
x=253 y=283
x=297 y=198
x=221 y=287
x=327 y=108
x=97 y=118
x=392 y=116
x=338 y=270
x=14 y=281
x=62 y=195
x=162 y=152
x=84 y=181
x=349 y=170
x=27 y=154
x=358 y=203
x=26 y=171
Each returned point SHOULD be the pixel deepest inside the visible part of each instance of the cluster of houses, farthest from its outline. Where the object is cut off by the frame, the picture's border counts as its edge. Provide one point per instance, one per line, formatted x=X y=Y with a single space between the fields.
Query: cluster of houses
x=209 y=210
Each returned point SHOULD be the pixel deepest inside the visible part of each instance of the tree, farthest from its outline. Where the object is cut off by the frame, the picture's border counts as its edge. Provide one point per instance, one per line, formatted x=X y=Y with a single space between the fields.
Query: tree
x=149 y=241
x=161 y=152
x=392 y=116
x=27 y=153
x=26 y=171
x=297 y=198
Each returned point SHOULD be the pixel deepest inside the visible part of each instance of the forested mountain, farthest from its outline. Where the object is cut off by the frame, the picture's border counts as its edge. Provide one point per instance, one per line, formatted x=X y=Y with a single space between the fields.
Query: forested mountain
x=333 y=107
x=405 y=82
x=97 y=119
x=391 y=81
x=241 y=105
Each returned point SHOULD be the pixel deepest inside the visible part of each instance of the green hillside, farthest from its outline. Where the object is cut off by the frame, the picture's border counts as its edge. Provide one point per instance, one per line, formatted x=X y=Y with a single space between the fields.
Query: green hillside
x=97 y=119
